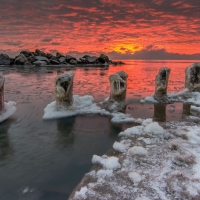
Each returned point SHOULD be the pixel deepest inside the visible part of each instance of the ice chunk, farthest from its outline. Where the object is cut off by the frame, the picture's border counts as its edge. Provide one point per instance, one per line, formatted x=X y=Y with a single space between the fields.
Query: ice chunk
x=137 y=151
x=136 y=130
x=9 y=110
x=154 y=128
x=104 y=173
x=82 y=193
x=106 y=162
x=135 y=177
x=119 y=147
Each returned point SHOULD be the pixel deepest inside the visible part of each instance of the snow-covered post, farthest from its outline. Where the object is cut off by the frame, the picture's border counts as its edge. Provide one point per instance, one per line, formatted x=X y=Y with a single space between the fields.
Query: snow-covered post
x=161 y=85
x=64 y=90
x=2 y=80
x=192 y=77
x=118 y=86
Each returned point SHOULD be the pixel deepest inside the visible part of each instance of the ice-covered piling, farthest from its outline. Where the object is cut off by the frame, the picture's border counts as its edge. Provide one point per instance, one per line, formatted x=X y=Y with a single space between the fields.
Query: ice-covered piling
x=192 y=77
x=161 y=85
x=2 y=80
x=64 y=90
x=118 y=86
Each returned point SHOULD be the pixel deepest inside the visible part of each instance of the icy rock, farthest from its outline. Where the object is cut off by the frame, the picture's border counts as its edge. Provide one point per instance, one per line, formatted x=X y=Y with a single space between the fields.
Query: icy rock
x=64 y=90
x=118 y=86
x=106 y=162
x=154 y=128
x=135 y=177
x=9 y=110
x=137 y=151
x=192 y=77
x=2 y=81
x=161 y=85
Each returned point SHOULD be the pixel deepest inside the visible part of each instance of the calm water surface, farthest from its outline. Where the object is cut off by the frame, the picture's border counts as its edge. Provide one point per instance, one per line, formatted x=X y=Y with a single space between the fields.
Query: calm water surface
x=47 y=159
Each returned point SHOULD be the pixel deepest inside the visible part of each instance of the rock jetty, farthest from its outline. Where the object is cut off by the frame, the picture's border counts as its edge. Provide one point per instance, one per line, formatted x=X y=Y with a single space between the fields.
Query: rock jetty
x=40 y=58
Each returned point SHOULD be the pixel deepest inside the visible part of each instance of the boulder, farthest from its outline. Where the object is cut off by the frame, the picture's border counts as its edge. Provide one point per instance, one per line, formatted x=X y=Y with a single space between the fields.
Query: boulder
x=54 y=62
x=62 y=59
x=31 y=59
x=42 y=58
x=73 y=62
x=92 y=59
x=27 y=53
x=68 y=58
x=39 y=63
x=4 y=59
x=48 y=55
x=21 y=59
x=39 y=53
x=103 y=59
x=58 y=55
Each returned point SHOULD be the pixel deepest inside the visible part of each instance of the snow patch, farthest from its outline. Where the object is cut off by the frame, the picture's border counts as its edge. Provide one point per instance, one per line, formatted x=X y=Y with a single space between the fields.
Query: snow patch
x=137 y=151
x=9 y=110
x=106 y=162
x=154 y=128
x=135 y=177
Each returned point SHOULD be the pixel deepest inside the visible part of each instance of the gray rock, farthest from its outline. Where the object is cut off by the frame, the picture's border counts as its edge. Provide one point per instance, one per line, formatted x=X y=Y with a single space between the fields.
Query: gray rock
x=27 y=53
x=68 y=58
x=39 y=62
x=92 y=59
x=48 y=55
x=39 y=53
x=4 y=59
x=54 y=62
x=61 y=59
x=21 y=59
x=73 y=62
x=58 y=55
x=103 y=59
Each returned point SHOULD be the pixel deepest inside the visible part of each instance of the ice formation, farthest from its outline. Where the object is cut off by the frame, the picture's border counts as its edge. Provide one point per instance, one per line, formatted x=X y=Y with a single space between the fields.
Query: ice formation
x=161 y=85
x=192 y=77
x=6 y=109
x=167 y=168
x=2 y=80
x=118 y=86
x=64 y=90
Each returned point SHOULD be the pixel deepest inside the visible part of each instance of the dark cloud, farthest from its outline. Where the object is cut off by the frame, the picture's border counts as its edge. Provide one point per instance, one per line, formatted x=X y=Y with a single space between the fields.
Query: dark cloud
x=101 y=25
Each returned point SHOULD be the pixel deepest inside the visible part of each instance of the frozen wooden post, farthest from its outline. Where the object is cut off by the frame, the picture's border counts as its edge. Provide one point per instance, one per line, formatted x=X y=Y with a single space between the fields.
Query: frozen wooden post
x=64 y=90
x=118 y=86
x=161 y=85
x=2 y=80
x=192 y=77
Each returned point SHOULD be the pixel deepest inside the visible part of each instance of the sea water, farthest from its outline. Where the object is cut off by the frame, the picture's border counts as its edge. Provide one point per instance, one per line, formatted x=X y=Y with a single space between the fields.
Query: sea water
x=47 y=159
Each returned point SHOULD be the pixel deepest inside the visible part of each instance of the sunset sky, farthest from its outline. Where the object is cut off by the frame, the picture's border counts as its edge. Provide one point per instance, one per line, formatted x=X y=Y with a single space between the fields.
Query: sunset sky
x=125 y=29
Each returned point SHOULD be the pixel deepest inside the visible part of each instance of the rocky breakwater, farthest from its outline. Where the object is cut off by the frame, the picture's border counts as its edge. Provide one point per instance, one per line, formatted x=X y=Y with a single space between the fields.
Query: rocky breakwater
x=40 y=58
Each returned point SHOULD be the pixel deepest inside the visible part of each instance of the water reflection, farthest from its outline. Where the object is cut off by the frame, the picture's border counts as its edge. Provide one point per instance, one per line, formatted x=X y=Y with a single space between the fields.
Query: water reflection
x=159 y=112
x=186 y=110
x=65 y=128
x=5 y=147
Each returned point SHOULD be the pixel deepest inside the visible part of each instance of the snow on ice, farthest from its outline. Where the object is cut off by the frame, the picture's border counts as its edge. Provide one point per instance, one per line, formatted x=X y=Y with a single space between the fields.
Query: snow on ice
x=9 y=110
x=168 y=169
